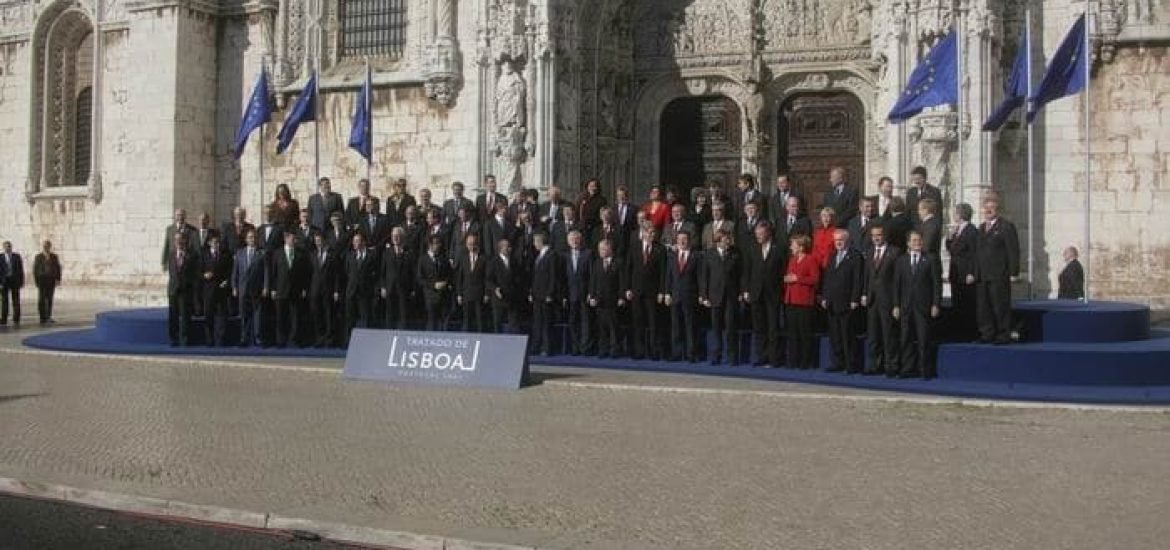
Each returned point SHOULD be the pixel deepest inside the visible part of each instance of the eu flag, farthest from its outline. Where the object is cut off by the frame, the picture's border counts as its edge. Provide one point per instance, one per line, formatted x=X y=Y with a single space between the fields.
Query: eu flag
x=1066 y=73
x=304 y=109
x=933 y=82
x=257 y=113
x=1015 y=91
x=360 y=138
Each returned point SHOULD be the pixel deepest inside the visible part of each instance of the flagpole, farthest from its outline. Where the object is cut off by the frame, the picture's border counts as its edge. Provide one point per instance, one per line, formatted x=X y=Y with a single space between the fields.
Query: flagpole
x=1087 y=53
x=316 y=123
x=959 y=50
x=370 y=117
x=1029 y=170
x=260 y=152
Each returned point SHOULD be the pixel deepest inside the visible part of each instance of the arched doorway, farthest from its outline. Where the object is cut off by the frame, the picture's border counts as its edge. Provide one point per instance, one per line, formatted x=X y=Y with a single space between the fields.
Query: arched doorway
x=818 y=131
x=701 y=142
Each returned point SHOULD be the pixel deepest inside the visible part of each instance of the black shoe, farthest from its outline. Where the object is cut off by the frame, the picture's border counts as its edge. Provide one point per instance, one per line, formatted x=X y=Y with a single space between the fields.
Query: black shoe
x=715 y=362
x=834 y=369
x=907 y=374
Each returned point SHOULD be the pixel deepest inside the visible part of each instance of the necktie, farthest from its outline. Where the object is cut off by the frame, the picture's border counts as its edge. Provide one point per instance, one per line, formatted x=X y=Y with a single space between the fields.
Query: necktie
x=840 y=258
x=677 y=227
x=878 y=260
x=575 y=254
x=505 y=260
x=914 y=263
x=646 y=254
x=472 y=258
x=863 y=222
x=607 y=264
x=764 y=251
x=322 y=258
x=249 y=256
x=180 y=259
x=682 y=261
x=791 y=222
x=288 y=255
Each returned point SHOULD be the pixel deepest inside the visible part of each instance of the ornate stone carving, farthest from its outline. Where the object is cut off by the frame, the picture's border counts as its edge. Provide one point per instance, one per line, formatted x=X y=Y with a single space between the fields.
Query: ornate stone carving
x=698 y=28
x=808 y=24
x=442 y=64
x=936 y=134
x=511 y=118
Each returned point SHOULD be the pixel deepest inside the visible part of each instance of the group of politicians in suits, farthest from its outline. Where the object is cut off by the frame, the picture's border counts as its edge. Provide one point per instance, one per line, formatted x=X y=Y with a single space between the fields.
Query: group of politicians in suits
x=639 y=280
x=46 y=277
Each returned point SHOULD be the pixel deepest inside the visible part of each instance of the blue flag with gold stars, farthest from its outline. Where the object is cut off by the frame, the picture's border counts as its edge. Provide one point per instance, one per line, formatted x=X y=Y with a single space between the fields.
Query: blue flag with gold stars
x=934 y=81
x=1015 y=91
x=1066 y=72
x=256 y=114
x=360 y=138
x=304 y=110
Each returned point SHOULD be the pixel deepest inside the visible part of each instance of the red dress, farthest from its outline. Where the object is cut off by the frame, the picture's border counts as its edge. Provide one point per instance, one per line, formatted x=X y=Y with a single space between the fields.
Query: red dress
x=658 y=213
x=822 y=248
x=803 y=292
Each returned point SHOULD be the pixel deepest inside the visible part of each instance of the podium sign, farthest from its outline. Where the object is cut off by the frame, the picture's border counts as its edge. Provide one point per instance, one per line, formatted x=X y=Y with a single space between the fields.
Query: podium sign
x=437 y=358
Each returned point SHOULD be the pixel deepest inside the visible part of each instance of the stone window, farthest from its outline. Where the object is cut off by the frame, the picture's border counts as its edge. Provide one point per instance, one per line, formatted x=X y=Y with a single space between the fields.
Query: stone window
x=374 y=28
x=62 y=102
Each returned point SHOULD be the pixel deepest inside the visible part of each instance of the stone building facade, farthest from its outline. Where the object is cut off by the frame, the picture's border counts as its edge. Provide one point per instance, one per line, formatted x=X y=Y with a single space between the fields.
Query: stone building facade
x=115 y=112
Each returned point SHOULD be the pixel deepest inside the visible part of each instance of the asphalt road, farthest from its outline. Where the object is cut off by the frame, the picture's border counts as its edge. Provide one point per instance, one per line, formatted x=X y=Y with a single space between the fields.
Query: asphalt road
x=27 y=524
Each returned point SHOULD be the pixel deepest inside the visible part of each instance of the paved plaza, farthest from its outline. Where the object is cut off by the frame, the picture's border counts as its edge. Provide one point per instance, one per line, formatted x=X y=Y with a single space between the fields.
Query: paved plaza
x=588 y=459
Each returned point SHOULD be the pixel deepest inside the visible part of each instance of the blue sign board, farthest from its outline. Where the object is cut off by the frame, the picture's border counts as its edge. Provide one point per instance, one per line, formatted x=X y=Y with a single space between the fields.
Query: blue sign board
x=438 y=358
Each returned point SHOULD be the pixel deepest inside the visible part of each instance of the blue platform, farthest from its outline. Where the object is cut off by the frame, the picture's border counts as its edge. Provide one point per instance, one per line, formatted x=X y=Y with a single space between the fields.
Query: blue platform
x=1116 y=359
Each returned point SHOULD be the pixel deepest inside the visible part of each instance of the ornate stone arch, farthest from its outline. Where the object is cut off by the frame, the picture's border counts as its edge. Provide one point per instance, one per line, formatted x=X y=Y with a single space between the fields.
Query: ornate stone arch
x=652 y=100
x=856 y=82
x=64 y=77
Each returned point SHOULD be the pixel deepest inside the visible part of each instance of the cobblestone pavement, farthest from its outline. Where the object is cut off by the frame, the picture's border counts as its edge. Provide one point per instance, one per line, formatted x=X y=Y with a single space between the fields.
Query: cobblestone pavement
x=606 y=465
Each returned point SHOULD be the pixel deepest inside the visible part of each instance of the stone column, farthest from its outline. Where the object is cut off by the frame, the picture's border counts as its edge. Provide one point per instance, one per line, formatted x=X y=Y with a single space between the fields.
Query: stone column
x=443 y=67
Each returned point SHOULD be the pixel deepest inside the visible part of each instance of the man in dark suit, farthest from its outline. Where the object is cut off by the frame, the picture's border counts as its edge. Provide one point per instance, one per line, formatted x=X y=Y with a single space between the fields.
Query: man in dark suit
x=544 y=292
x=678 y=224
x=794 y=223
x=559 y=229
x=270 y=236
x=464 y=225
x=324 y=292
x=233 y=231
x=413 y=228
x=202 y=233
x=486 y=202
x=644 y=275
x=457 y=202
x=355 y=209
x=47 y=277
x=681 y=289
x=885 y=194
x=1072 y=277
x=878 y=297
x=361 y=278
x=608 y=229
x=899 y=224
x=997 y=264
x=434 y=279
x=183 y=277
x=929 y=225
x=764 y=265
x=305 y=230
x=577 y=263
x=398 y=202
x=425 y=205
x=625 y=212
x=961 y=242
x=470 y=284
x=552 y=211
x=917 y=303
x=778 y=203
x=323 y=204
x=11 y=281
x=216 y=282
x=841 y=197
x=719 y=280
x=434 y=229
x=841 y=287
x=180 y=226
x=496 y=225
x=503 y=282
x=337 y=237
x=920 y=190
x=606 y=283
x=859 y=227
x=525 y=201
x=374 y=226
x=751 y=219
x=249 y=285
x=396 y=283
x=589 y=204
x=749 y=194
x=288 y=285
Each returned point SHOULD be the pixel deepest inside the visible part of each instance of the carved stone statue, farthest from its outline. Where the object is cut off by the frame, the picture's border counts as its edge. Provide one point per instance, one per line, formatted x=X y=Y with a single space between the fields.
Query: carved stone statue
x=511 y=98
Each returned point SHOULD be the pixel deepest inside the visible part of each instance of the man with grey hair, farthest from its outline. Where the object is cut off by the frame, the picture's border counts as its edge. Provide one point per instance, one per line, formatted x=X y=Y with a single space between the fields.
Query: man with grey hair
x=180 y=226
x=1072 y=277
x=841 y=287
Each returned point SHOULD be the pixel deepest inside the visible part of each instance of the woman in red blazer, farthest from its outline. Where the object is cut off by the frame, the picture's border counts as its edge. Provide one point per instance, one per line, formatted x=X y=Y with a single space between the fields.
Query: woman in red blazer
x=657 y=210
x=822 y=238
x=800 y=294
